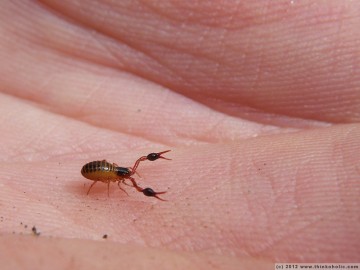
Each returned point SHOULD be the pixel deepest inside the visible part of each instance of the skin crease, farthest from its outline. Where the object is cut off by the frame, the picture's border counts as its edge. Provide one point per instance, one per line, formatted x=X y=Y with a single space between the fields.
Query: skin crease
x=258 y=101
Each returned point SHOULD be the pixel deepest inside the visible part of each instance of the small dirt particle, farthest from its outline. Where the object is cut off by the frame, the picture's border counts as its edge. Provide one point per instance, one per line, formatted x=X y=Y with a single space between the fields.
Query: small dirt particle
x=35 y=232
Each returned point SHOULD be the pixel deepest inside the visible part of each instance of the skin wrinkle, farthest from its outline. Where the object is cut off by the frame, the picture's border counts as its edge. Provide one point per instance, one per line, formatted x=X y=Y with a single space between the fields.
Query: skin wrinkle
x=69 y=117
x=33 y=38
x=107 y=49
x=299 y=229
x=280 y=239
x=162 y=64
x=109 y=252
x=216 y=22
x=292 y=232
x=131 y=46
x=91 y=95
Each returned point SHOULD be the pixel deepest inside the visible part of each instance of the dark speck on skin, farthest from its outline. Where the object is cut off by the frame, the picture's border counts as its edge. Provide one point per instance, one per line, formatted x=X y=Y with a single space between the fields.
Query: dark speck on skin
x=35 y=232
x=105 y=236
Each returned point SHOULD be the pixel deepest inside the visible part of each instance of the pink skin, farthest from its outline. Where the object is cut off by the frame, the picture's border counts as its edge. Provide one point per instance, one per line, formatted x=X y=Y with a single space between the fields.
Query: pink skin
x=258 y=100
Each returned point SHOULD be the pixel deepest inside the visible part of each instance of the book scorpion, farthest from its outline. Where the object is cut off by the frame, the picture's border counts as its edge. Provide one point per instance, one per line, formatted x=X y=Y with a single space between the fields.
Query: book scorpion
x=106 y=172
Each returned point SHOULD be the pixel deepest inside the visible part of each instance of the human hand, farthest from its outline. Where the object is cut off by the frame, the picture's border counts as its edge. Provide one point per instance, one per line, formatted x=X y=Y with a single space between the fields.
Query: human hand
x=260 y=107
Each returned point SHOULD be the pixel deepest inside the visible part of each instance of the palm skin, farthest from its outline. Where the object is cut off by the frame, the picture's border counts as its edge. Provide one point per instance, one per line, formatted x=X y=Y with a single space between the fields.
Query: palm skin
x=260 y=108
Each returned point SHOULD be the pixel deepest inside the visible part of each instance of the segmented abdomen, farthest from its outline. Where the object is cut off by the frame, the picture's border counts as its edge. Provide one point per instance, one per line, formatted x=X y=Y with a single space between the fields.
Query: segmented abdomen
x=99 y=171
